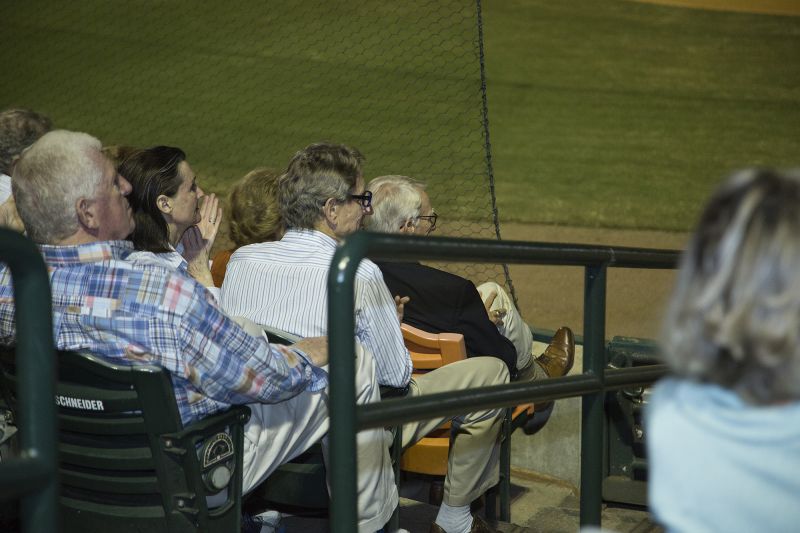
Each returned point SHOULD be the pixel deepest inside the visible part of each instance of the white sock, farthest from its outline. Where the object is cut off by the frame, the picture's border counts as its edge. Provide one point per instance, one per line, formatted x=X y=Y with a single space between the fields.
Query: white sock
x=454 y=519
x=270 y=521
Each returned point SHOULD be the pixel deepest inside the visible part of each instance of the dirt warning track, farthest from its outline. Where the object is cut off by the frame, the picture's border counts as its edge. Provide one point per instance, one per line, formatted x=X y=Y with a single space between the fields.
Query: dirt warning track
x=765 y=7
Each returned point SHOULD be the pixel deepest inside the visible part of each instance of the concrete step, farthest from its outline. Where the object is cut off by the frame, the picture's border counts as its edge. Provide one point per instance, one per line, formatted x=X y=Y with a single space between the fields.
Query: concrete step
x=539 y=504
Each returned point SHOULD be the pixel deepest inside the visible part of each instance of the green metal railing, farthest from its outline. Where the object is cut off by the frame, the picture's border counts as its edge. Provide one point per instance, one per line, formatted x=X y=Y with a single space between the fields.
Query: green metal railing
x=347 y=418
x=33 y=475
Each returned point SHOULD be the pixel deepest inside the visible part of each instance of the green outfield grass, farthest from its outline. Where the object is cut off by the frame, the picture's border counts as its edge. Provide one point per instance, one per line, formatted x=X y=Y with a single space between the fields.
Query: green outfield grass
x=247 y=83
x=620 y=114
x=608 y=113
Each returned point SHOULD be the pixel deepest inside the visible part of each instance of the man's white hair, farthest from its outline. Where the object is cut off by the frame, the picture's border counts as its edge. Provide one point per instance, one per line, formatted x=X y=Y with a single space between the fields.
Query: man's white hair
x=396 y=200
x=49 y=179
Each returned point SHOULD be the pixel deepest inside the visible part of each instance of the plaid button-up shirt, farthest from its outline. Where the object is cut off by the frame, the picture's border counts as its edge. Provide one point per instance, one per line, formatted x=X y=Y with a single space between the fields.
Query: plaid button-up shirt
x=149 y=314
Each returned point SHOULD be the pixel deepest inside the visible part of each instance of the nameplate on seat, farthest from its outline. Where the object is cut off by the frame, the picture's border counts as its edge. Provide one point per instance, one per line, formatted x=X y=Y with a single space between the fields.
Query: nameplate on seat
x=79 y=403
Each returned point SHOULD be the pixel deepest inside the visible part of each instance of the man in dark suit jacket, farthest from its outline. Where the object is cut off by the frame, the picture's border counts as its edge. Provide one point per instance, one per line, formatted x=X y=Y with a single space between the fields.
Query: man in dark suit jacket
x=444 y=302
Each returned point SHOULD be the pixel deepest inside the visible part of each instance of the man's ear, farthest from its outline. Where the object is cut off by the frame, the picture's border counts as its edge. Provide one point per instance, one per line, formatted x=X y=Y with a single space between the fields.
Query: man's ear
x=408 y=226
x=330 y=210
x=86 y=209
x=164 y=204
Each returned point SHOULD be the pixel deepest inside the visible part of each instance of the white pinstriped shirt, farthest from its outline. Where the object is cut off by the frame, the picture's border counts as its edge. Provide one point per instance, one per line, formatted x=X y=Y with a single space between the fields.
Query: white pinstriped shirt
x=284 y=284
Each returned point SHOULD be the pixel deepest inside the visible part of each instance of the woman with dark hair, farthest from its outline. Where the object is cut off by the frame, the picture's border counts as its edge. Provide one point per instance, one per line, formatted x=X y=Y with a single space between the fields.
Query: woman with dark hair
x=723 y=433
x=176 y=223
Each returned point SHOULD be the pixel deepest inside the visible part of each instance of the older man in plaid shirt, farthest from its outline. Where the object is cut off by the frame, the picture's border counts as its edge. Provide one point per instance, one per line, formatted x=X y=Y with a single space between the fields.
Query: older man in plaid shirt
x=73 y=203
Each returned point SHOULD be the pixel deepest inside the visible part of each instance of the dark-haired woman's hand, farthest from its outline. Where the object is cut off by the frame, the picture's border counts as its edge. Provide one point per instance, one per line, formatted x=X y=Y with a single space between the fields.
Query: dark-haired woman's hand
x=196 y=254
x=210 y=218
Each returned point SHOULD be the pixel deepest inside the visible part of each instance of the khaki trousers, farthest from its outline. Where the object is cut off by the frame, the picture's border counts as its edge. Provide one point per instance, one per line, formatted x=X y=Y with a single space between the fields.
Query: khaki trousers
x=279 y=432
x=472 y=466
x=514 y=328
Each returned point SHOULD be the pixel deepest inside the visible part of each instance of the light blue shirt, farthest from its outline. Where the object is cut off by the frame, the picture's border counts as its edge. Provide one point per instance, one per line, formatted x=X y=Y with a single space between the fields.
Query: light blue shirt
x=717 y=463
x=5 y=188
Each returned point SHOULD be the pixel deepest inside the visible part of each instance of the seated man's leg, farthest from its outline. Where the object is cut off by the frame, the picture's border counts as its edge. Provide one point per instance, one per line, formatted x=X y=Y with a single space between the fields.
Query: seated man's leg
x=472 y=465
x=377 y=490
x=279 y=432
x=514 y=327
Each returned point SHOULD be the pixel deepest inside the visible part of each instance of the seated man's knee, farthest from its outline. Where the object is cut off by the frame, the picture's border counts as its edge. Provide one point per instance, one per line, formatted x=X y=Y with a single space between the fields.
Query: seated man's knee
x=491 y=369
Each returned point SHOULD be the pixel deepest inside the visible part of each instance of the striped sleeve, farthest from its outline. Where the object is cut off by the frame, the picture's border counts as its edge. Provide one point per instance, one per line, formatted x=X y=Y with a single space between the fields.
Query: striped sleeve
x=378 y=327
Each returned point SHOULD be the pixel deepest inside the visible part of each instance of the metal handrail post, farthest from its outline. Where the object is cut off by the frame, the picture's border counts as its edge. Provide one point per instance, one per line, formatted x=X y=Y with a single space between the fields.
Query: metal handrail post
x=343 y=466
x=592 y=382
x=35 y=360
x=594 y=326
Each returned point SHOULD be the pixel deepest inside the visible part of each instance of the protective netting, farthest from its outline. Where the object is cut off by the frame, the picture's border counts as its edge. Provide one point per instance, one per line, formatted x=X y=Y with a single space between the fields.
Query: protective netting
x=244 y=84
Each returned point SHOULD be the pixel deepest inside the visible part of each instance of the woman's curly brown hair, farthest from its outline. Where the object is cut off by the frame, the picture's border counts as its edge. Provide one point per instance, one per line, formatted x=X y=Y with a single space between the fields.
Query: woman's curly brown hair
x=254 y=212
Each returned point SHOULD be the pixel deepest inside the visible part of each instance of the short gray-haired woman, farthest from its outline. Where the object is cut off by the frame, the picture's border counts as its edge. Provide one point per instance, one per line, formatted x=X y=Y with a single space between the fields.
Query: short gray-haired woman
x=723 y=434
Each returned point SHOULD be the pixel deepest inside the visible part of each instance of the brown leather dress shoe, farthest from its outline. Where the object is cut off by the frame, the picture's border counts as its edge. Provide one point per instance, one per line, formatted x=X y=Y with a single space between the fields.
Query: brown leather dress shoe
x=559 y=356
x=478 y=526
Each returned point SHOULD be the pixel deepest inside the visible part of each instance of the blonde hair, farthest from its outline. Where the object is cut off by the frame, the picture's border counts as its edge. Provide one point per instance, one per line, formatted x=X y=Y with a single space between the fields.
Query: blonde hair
x=734 y=318
x=255 y=215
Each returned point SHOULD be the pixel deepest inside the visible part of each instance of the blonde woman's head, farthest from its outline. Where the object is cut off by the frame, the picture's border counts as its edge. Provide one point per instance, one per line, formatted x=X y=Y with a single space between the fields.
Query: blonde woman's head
x=254 y=212
x=734 y=318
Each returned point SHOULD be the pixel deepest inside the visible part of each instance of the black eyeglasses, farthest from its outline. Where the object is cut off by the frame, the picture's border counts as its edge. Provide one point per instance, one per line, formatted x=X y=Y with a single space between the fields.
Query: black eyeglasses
x=431 y=220
x=364 y=199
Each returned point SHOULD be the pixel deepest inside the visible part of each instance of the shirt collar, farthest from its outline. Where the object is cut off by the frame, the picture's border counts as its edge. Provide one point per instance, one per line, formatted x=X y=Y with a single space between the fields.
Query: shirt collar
x=92 y=252
x=305 y=235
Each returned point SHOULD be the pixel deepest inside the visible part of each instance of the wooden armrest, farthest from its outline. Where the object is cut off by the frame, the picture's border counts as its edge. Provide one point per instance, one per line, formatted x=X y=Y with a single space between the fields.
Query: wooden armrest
x=432 y=350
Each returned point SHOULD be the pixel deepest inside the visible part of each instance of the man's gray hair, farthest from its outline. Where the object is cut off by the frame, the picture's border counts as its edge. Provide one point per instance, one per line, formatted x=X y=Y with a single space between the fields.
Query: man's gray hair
x=395 y=200
x=734 y=318
x=316 y=173
x=19 y=128
x=49 y=179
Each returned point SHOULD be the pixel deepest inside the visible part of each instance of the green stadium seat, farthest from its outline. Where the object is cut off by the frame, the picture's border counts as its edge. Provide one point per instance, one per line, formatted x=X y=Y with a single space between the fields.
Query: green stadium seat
x=127 y=463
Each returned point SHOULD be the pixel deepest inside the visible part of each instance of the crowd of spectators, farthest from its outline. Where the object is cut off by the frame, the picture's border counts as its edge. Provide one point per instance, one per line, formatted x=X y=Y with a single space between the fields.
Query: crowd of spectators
x=127 y=234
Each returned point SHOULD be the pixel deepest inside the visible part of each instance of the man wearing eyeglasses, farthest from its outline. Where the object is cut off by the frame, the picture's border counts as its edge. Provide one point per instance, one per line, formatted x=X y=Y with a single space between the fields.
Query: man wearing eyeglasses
x=443 y=302
x=283 y=284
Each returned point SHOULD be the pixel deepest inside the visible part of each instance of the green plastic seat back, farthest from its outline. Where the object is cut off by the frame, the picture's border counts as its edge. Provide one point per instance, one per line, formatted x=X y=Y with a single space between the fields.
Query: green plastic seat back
x=126 y=463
